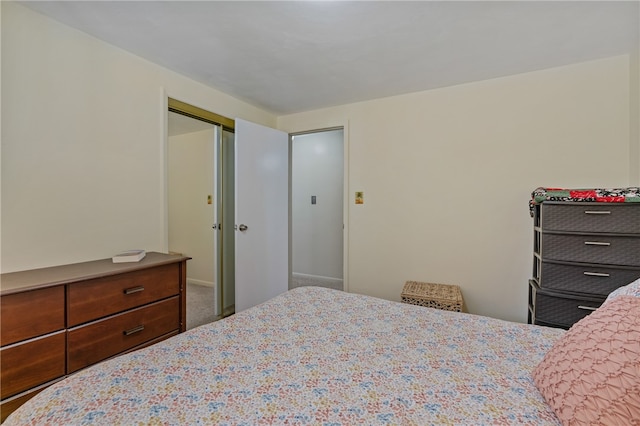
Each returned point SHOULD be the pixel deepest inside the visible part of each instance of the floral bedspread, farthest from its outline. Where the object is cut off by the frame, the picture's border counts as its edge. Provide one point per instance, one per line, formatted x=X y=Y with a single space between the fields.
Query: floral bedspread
x=597 y=195
x=316 y=356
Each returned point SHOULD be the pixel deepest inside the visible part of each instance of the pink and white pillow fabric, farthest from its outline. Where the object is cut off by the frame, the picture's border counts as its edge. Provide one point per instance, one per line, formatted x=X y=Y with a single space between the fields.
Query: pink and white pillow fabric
x=592 y=373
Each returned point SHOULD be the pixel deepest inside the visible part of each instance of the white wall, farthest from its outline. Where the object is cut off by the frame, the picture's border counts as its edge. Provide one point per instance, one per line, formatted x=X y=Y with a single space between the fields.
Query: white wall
x=634 y=108
x=190 y=180
x=0 y=144
x=83 y=143
x=447 y=175
x=317 y=163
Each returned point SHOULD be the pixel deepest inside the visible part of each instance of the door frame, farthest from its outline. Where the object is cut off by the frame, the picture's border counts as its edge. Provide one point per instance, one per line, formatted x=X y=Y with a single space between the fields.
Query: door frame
x=313 y=128
x=196 y=112
x=345 y=197
x=170 y=103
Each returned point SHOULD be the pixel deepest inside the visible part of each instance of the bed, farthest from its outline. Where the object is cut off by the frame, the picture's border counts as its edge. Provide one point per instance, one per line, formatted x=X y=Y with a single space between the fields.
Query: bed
x=317 y=356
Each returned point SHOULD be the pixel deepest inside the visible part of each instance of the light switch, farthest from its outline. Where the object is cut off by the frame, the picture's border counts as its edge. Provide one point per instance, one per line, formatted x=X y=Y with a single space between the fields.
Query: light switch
x=313 y=199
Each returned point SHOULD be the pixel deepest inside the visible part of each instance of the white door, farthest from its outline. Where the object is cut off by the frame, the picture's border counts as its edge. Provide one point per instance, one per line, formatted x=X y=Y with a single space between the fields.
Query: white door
x=262 y=213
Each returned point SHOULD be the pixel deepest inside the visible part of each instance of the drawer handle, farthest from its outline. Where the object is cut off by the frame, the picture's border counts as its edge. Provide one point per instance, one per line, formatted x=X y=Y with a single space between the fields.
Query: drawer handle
x=597 y=212
x=596 y=243
x=133 y=290
x=587 y=308
x=134 y=330
x=596 y=274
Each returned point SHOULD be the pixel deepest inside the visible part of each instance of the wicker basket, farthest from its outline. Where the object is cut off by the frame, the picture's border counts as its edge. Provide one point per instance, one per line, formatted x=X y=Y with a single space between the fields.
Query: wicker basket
x=439 y=296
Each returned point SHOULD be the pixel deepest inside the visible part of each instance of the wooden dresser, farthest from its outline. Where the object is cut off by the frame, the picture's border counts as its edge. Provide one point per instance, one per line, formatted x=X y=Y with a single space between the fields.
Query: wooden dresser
x=58 y=320
x=582 y=252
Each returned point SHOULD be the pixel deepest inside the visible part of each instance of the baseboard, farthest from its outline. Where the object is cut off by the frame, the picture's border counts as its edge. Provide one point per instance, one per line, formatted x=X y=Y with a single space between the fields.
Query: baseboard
x=316 y=277
x=317 y=280
x=201 y=282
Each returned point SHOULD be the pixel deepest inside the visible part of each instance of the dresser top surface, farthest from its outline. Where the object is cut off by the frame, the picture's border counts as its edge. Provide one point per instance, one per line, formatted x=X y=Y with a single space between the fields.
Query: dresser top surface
x=14 y=282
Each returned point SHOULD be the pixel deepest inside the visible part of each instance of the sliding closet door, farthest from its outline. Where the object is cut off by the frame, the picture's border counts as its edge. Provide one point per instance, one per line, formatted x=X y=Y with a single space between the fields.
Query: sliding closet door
x=227 y=221
x=262 y=213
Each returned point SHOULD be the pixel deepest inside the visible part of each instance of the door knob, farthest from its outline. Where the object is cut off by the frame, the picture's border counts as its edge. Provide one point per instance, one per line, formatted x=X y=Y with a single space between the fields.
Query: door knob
x=243 y=227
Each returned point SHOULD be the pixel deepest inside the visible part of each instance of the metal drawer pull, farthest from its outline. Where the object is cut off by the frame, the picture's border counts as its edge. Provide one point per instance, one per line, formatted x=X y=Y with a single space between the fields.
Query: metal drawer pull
x=587 y=308
x=596 y=274
x=597 y=212
x=596 y=243
x=134 y=330
x=133 y=290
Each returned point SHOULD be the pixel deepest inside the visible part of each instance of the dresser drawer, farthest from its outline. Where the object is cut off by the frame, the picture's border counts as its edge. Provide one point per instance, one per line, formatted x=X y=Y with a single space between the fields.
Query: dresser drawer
x=93 y=299
x=597 y=280
x=560 y=309
x=31 y=363
x=99 y=340
x=31 y=314
x=623 y=251
x=591 y=217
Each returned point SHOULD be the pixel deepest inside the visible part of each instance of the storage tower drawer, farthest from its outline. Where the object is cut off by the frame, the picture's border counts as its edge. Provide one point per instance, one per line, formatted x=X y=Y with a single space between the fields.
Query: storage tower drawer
x=590 y=217
x=589 y=279
x=558 y=309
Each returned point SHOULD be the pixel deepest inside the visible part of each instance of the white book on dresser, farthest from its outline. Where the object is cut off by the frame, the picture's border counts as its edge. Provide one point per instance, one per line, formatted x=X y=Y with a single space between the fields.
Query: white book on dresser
x=129 y=256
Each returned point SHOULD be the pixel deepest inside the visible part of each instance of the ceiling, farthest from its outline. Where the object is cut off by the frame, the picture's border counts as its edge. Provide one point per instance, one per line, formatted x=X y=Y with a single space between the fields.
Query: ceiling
x=295 y=56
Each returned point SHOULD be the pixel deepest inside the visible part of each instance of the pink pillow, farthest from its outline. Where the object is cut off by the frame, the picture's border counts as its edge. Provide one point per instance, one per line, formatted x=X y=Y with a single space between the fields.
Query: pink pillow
x=591 y=375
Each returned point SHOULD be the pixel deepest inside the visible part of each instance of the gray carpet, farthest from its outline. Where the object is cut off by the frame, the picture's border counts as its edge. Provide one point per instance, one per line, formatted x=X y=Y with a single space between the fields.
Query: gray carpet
x=301 y=280
x=201 y=299
x=200 y=305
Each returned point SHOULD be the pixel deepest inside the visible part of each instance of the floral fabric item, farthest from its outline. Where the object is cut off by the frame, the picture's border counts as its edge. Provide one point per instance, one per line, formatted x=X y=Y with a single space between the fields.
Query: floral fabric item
x=599 y=195
x=319 y=357
x=632 y=289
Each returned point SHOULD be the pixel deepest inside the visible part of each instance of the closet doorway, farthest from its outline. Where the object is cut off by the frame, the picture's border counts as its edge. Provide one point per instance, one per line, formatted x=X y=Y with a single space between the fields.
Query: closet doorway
x=317 y=208
x=199 y=172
